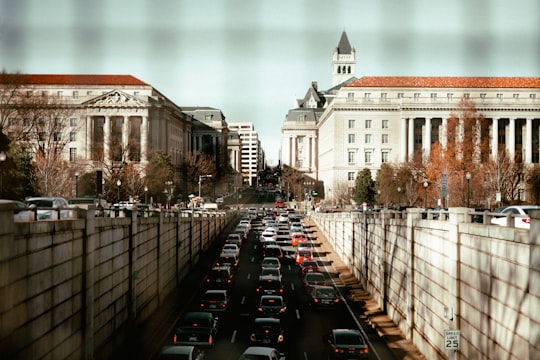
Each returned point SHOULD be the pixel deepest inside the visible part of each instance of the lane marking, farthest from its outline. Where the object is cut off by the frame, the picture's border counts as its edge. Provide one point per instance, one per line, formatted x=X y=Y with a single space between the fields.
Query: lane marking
x=233 y=338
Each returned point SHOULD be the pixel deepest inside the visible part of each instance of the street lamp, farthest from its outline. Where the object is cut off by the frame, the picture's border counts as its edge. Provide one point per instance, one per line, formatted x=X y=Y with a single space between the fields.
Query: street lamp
x=399 y=196
x=169 y=192
x=425 y=193
x=468 y=177
x=200 y=180
x=118 y=183
x=3 y=157
x=77 y=183
x=146 y=194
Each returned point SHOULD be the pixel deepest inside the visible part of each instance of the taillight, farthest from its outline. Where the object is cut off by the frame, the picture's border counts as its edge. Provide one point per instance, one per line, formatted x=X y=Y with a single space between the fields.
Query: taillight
x=174 y=338
x=280 y=339
x=526 y=220
x=210 y=339
x=252 y=337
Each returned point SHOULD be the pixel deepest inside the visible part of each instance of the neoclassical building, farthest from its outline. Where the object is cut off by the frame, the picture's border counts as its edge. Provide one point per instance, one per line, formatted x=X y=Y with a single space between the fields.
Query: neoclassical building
x=368 y=121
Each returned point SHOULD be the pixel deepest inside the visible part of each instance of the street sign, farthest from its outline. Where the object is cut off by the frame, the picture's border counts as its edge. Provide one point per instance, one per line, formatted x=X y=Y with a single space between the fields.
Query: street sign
x=451 y=339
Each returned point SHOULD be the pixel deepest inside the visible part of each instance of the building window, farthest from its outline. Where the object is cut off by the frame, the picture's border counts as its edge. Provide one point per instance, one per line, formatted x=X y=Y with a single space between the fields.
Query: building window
x=89 y=92
x=368 y=124
x=367 y=157
x=385 y=124
x=73 y=122
x=59 y=93
x=499 y=96
x=208 y=117
x=352 y=124
x=72 y=154
x=416 y=96
x=367 y=138
x=57 y=136
x=466 y=95
x=73 y=136
x=45 y=93
x=351 y=176
x=516 y=96
x=383 y=96
x=384 y=139
x=75 y=94
x=450 y=96
x=302 y=117
x=367 y=96
x=532 y=96
x=12 y=121
x=384 y=156
x=352 y=138
x=433 y=96
x=482 y=96
x=26 y=122
x=400 y=95
x=136 y=93
x=351 y=157
x=350 y=96
x=29 y=93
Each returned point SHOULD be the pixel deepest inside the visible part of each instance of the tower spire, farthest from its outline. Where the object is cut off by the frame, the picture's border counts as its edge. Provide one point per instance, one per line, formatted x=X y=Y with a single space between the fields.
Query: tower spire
x=343 y=61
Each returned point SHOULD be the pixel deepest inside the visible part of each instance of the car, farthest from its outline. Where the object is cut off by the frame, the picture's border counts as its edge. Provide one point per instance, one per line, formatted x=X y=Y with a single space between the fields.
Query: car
x=269 y=285
x=303 y=254
x=270 y=272
x=273 y=251
x=270 y=262
x=214 y=300
x=296 y=227
x=296 y=238
x=245 y=223
x=271 y=305
x=228 y=259
x=219 y=277
x=267 y=332
x=315 y=278
x=520 y=214
x=261 y=353
x=22 y=211
x=181 y=352
x=279 y=203
x=309 y=266
x=197 y=328
x=267 y=235
x=233 y=248
x=219 y=200
x=49 y=208
x=305 y=245
x=323 y=296
x=267 y=242
x=346 y=344
x=283 y=218
x=234 y=238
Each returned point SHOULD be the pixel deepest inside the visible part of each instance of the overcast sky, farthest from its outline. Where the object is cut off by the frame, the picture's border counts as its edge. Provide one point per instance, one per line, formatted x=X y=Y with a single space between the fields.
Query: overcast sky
x=252 y=58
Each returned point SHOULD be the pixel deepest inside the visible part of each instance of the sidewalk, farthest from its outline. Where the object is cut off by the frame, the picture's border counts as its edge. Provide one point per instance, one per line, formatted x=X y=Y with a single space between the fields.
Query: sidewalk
x=373 y=315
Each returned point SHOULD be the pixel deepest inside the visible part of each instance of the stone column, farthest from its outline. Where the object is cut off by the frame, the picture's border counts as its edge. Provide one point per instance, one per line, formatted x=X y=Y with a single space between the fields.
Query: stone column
x=494 y=139
x=308 y=162
x=411 y=139
x=427 y=137
x=144 y=139
x=403 y=148
x=511 y=144
x=125 y=138
x=107 y=139
x=528 y=141
x=444 y=133
x=293 y=151
x=89 y=138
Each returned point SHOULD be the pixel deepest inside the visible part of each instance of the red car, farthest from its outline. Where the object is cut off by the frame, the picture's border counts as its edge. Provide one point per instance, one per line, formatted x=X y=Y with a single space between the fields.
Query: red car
x=303 y=254
x=297 y=238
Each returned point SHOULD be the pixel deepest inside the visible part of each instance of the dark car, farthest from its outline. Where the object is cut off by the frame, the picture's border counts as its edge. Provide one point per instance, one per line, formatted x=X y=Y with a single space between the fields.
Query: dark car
x=273 y=251
x=323 y=296
x=309 y=266
x=234 y=238
x=219 y=277
x=181 y=352
x=315 y=278
x=197 y=328
x=215 y=300
x=269 y=285
x=271 y=305
x=267 y=332
x=346 y=344
x=228 y=259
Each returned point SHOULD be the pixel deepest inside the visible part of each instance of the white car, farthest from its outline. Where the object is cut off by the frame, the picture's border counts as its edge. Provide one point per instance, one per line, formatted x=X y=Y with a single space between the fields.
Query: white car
x=231 y=248
x=50 y=208
x=181 y=352
x=261 y=353
x=267 y=235
x=520 y=214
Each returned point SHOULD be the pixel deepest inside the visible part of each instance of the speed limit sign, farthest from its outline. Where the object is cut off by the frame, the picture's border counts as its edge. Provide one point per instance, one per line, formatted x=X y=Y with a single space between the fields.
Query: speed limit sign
x=451 y=339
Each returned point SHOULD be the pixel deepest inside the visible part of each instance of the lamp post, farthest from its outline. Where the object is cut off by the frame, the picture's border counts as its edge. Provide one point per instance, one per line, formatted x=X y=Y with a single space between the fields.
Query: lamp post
x=200 y=181
x=468 y=177
x=425 y=193
x=399 y=196
x=118 y=184
x=169 y=192
x=77 y=183
x=3 y=157
x=146 y=194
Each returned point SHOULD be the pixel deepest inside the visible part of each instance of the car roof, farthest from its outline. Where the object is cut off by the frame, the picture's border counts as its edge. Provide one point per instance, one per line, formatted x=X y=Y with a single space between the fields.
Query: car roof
x=259 y=350
x=267 y=320
x=177 y=350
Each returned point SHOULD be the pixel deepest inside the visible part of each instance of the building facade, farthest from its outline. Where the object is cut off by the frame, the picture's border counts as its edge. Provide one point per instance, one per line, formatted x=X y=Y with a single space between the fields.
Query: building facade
x=380 y=119
x=251 y=151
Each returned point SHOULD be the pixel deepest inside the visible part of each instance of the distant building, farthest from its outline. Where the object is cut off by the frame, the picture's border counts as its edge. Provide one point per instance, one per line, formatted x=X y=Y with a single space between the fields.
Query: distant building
x=372 y=120
x=252 y=156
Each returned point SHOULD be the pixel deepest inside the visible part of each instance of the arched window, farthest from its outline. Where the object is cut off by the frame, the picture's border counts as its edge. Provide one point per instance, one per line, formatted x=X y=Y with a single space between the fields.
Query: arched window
x=339 y=70
x=349 y=70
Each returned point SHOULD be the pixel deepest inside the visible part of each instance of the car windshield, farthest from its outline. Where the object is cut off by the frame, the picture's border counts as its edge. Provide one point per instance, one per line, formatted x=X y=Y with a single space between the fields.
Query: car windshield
x=326 y=292
x=271 y=301
x=253 y=357
x=314 y=277
x=349 y=339
x=41 y=203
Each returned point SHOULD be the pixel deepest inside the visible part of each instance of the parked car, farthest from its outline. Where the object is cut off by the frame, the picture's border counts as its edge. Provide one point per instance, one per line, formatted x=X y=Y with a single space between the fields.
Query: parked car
x=346 y=344
x=215 y=300
x=261 y=353
x=520 y=214
x=181 y=352
x=267 y=332
x=197 y=328
x=323 y=296
x=271 y=305
x=49 y=208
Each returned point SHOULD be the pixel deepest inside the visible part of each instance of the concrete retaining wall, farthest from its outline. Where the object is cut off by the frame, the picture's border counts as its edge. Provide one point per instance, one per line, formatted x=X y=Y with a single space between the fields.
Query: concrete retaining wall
x=73 y=289
x=431 y=276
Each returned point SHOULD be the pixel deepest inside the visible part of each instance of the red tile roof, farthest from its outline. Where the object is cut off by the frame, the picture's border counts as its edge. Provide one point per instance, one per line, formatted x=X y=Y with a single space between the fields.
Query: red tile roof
x=446 y=82
x=67 y=79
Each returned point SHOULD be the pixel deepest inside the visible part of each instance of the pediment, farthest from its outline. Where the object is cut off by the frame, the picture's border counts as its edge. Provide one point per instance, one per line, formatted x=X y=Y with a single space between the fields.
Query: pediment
x=115 y=98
